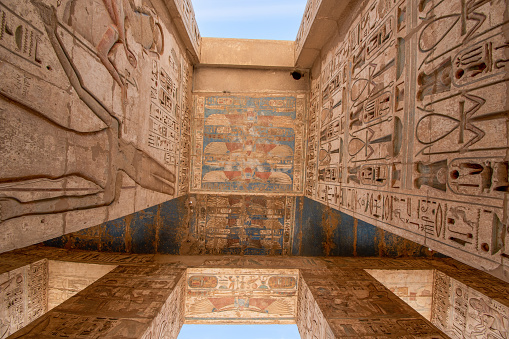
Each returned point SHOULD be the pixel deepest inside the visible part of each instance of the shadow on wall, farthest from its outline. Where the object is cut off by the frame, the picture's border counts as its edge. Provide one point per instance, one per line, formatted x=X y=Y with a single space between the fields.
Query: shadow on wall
x=323 y=231
x=250 y=225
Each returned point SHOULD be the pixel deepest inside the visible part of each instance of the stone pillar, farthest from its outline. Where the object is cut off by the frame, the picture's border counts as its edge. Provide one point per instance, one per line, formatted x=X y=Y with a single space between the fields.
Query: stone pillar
x=352 y=304
x=129 y=302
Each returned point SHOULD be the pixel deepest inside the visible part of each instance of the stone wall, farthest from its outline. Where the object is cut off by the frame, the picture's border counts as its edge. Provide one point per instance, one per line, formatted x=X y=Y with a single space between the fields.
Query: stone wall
x=465 y=304
x=408 y=125
x=463 y=312
x=356 y=305
x=94 y=111
x=310 y=319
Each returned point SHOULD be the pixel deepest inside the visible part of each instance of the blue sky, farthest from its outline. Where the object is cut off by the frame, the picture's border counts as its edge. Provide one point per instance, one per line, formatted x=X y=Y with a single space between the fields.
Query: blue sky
x=249 y=19
x=239 y=331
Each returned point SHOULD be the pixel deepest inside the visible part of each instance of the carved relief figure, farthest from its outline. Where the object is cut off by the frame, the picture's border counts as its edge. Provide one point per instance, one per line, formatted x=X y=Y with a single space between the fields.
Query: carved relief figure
x=100 y=164
x=489 y=320
x=127 y=21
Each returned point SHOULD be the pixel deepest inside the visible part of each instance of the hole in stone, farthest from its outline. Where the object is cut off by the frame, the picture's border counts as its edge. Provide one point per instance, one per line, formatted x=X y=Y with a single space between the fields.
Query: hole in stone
x=296 y=75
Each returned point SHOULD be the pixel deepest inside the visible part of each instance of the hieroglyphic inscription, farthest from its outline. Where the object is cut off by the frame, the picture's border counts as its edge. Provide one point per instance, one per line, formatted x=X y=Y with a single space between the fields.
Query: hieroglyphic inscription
x=164 y=126
x=312 y=139
x=463 y=312
x=38 y=278
x=185 y=128
x=19 y=36
x=170 y=319
x=62 y=325
x=356 y=305
x=244 y=224
x=412 y=286
x=186 y=10
x=129 y=301
x=441 y=304
x=310 y=11
x=23 y=296
x=310 y=319
x=13 y=310
x=95 y=95
x=415 y=140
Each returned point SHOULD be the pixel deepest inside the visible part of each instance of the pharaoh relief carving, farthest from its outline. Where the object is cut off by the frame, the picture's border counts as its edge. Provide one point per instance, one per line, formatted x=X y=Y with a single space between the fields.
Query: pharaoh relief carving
x=411 y=132
x=79 y=131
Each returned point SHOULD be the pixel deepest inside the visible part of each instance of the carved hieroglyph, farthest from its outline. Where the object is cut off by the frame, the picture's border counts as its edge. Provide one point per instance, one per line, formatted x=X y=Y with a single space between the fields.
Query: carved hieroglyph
x=94 y=115
x=68 y=278
x=241 y=295
x=408 y=125
x=248 y=144
x=355 y=305
x=310 y=320
x=324 y=296
x=128 y=302
x=23 y=296
x=169 y=321
x=462 y=312
x=186 y=11
x=309 y=16
x=236 y=224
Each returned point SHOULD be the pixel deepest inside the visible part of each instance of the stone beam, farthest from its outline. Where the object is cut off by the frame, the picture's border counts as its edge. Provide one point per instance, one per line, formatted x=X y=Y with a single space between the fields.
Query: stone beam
x=247 y=53
x=182 y=15
x=321 y=21
x=354 y=304
x=128 y=302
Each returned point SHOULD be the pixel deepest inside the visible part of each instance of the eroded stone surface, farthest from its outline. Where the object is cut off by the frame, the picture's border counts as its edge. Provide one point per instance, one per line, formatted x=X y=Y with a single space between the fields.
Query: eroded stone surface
x=407 y=124
x=95 y=115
